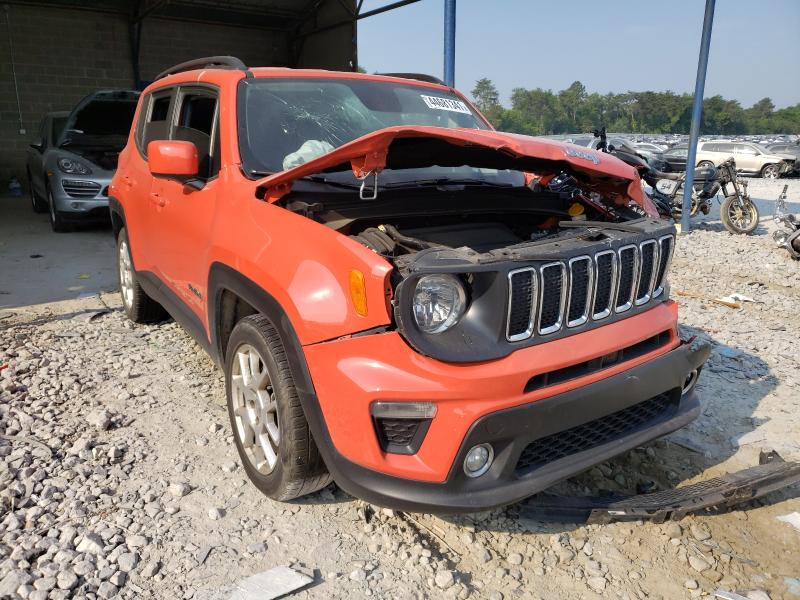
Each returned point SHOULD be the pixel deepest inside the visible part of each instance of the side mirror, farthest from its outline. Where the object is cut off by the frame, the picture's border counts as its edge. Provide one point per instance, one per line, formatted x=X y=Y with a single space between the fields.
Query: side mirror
x=38 y=146
x=172 y=158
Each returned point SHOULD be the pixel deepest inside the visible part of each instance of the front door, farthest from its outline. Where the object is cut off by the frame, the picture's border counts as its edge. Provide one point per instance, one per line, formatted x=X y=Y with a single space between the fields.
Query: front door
x=183 y=210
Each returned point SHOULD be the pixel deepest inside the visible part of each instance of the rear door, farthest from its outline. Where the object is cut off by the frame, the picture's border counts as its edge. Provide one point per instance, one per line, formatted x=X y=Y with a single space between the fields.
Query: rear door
x=746 y=158
x=182 y=211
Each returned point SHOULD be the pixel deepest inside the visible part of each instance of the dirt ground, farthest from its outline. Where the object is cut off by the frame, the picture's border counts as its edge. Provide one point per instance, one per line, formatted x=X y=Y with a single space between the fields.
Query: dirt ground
x=119 y=478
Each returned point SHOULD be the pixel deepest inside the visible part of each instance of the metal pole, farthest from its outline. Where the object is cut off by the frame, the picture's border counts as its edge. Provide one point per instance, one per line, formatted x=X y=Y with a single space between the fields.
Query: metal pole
x=697 y=113
x=450 y=42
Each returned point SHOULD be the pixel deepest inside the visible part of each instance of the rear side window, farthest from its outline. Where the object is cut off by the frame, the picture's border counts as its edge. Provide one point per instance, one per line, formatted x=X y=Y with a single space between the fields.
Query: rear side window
x=728 y=148
x=154 y=122
x=710 y=147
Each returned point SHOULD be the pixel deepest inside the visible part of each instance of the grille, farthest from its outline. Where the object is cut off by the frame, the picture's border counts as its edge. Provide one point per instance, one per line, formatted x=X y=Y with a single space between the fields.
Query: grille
x=551 y=302
x=401 y=436
x=594 y=433
x=647 y=253
x=80 y=189
x=522 y=292
x=599 y=285
x=580 y=272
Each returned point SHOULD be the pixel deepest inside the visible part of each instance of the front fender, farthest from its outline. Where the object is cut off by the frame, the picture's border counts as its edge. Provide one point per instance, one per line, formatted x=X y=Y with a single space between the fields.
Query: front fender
x=305 y=267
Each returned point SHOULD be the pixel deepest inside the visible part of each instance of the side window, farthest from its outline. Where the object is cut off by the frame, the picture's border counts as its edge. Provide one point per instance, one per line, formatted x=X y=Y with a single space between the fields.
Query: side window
x=197 y=122
x=727 y=148
x=154 y=122
x=742 y=149
x=707 y=147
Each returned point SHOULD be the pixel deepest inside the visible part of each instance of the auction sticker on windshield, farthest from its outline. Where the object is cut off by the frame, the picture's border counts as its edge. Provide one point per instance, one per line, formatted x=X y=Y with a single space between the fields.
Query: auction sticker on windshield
x=446 y=104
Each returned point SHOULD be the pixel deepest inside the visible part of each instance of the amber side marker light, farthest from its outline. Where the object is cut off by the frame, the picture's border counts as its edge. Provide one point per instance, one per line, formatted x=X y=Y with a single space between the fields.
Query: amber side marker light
x=358 y=292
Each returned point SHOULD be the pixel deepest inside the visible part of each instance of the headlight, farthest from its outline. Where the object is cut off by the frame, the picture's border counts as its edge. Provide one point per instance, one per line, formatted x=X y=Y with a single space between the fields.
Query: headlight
x=439 y=302
x=73 y=167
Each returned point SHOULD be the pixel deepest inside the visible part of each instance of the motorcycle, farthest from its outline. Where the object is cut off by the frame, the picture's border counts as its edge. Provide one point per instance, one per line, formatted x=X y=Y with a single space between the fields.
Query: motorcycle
x=787 y=239
x=737 y=211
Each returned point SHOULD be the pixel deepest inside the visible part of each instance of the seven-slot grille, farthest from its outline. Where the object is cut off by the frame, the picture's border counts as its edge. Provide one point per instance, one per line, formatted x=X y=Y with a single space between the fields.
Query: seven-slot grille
x=80 y=189
x=545 y=299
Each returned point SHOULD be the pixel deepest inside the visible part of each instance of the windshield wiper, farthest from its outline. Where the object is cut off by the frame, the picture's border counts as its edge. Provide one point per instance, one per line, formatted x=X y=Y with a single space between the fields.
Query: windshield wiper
x=446 y=181
x=330 y=182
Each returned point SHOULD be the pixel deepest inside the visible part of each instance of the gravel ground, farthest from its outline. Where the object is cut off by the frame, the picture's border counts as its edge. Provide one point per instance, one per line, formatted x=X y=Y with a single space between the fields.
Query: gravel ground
x=118 y=475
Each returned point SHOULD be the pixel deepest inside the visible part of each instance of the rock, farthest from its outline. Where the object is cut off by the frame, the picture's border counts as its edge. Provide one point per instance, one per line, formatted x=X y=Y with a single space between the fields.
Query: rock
x=565 y=556
x=91 y=543
x=444 y=579
x=179 y=489
x=127 y=562
x=150 y=569
x=118 y=579
x=757 y=595
x=100 y=419
x=690 y=584
x=672 y=530
x=67 y=579
x=13 y=580
x=45 y=583
x=598 y=584
x=698 y=564
x=358 y=575
x=712 y=575
x=700 y=531
x=257 y=548
x=515 y=559
x=215 y=514
x=135 y=541
x=107 y=590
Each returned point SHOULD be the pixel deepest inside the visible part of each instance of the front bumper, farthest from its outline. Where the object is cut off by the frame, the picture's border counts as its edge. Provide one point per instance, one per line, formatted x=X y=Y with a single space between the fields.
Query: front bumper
x=78 y=197
x=511 y=430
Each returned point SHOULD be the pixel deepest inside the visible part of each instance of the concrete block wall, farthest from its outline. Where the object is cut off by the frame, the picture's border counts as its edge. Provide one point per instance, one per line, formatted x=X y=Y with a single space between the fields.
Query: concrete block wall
x=60 y=55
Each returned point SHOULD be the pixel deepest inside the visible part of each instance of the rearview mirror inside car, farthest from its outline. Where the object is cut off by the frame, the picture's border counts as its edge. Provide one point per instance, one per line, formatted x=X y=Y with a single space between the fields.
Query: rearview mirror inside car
x=172 y=158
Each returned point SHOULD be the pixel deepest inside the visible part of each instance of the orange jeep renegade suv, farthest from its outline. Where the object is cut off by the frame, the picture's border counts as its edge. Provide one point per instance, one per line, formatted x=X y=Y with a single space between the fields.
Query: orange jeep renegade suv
x=434 y=315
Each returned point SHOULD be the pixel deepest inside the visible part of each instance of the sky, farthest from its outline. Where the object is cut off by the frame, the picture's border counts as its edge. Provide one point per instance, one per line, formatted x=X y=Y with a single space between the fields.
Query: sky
x=608 y=45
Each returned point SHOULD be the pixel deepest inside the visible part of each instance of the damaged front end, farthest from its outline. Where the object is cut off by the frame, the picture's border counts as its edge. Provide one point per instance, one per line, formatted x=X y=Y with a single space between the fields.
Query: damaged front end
x=483 y=267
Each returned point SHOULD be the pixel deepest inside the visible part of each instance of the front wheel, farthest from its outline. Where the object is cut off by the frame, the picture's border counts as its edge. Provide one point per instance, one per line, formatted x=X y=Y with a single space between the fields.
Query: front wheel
x=769 y=172
x=139 y=307
x=739 y=217
x=269 y=427
x=36 y=203
x=56 y=220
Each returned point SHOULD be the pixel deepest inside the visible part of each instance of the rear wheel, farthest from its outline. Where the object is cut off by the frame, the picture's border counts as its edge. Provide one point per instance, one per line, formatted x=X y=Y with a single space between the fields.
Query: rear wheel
x=269 y=427
x=769 y=172
x=139 y=307
x=738 y=218
x=36 y=203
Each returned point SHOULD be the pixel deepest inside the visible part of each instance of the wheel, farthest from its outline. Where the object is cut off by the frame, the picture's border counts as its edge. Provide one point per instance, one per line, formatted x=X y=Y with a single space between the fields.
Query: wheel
x=269 y=427
x=36 y=203
x=705 y=164
x=56 y=220
x=769 y=172
x=738 y=219
x=139 y=307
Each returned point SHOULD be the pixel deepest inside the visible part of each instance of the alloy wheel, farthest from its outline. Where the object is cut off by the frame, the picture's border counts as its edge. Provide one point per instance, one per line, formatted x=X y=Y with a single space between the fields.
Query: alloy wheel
x=770 y=172
x=741 y=216
x=255 y=409
x=126 y=274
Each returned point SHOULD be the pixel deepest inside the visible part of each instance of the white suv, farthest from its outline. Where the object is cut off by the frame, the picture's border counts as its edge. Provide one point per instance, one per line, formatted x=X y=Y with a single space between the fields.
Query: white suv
x=750 y=158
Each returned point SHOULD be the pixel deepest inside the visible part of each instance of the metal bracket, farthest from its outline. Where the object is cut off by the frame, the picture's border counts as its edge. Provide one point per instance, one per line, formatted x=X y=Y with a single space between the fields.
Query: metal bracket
x=362 y=189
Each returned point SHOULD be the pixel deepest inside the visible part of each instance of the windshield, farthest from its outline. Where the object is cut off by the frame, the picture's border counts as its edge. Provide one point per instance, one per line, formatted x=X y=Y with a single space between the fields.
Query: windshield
x=102 y=119
x=285 y=122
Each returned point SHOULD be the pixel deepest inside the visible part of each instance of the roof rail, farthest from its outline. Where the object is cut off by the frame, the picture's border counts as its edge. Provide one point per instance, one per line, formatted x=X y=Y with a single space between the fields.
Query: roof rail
x=417 y=76
x=208 y=62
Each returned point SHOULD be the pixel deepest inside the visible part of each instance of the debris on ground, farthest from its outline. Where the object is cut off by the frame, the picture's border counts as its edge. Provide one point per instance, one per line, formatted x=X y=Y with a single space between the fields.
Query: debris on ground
x=278 y=582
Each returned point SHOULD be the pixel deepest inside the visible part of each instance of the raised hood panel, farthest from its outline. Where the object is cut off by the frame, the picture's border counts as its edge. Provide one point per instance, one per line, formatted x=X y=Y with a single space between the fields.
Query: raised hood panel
x=406 y=147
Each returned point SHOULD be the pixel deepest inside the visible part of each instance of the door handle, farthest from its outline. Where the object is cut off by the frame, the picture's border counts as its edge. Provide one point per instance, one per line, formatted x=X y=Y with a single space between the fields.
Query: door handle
x=156 y=199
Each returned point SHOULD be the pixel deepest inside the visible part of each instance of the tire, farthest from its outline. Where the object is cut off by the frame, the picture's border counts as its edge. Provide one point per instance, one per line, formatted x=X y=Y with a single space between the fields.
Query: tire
x=138 y=306
x=269 y=428
x=735 y=223
x=37 y=205
x=769 y=172
x=57 y=223
x=706 y=164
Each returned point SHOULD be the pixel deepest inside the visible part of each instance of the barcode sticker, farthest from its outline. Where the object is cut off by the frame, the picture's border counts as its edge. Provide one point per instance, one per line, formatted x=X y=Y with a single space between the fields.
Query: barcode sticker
x=445 y=104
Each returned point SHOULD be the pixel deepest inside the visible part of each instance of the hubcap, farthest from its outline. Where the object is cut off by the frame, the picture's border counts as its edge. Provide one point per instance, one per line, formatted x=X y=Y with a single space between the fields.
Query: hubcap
x=125 y=274
x=255 y=409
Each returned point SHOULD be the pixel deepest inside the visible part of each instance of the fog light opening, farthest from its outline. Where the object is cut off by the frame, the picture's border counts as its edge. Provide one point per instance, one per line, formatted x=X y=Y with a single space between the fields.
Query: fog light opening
x=478 y=460
x=689 y=383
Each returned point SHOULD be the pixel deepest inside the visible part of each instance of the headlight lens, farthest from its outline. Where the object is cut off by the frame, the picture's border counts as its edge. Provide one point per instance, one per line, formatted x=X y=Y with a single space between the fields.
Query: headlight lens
x=73 y=167
x=439 y=302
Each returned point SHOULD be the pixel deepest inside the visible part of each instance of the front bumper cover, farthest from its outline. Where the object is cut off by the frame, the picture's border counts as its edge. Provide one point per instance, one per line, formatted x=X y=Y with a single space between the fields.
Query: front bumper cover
x=511 y=430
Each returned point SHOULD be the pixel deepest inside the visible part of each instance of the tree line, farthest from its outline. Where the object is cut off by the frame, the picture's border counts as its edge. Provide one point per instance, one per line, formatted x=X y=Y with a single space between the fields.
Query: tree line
x=573 y=110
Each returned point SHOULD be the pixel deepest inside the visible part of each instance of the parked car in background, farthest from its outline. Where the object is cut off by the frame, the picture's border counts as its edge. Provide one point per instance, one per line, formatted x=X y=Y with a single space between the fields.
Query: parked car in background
x=750 y=158
x=46 y=139
x=789 y=150
x=675 y=158
x=654 y=159
x=71 y=174
x=647 y=146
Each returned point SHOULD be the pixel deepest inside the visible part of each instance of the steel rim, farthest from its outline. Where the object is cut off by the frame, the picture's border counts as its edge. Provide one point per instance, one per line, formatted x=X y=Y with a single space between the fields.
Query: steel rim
x=255 y=409
x=741 y=218
x=125 y=274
